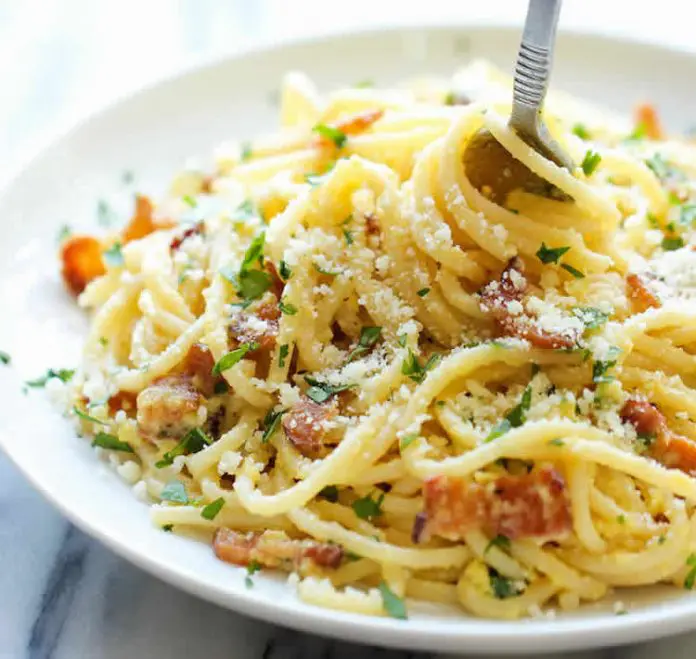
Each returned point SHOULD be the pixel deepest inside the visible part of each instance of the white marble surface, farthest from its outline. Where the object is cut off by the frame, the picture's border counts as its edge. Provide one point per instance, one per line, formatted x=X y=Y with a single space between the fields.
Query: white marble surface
x=62 y=595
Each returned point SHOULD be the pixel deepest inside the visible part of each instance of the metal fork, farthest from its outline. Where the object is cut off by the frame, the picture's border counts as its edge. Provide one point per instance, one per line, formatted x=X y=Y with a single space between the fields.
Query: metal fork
x=488 y=165
x=531 y=83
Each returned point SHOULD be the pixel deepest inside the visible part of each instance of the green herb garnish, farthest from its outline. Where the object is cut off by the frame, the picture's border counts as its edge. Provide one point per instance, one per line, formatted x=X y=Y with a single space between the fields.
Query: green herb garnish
x=413 y=368
x=573 y=271
x=392 y=603
x=514 y=418
x=252 y=569
x=590 y=317
x=284 y=271
x=502 y=587
x=113 y=256
x=581 y=131
x=320 y=392
x=175 y=492
x=245 y=151
x=212 y=509
x=670 y=243
x=338 y=137
x=550 y=254
x=111 y=442
x=407 y=440
x=423 y=292
x=189 y=201
x=227 y=361
x=691 y=576
x=556 y=442
x=105 y=215
x=367 y=507
x=270 y=424
x=282 y=354
x=590 y=162
x=87 y=417
x=193 y=441
x=369 y=335
x=63 y=374
x=5 y=357
x=287 y=308
x=330 y=493
x=63 y=234
x=500 y=541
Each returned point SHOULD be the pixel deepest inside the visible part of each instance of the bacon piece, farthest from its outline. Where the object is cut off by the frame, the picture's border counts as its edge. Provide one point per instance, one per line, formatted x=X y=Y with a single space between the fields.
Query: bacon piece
x=496 y=298
x=168 y=408
x=123 y=400
x=304 y=424
x=372 y=225
x=82 y=261
x=260 y=326
x=199 y=364
x=640 y=294
x=646 y=116
x=533 y=505
x=273 y=549
x=177 y=241
x=143 y=223
x=669 y=448
x=353 y=124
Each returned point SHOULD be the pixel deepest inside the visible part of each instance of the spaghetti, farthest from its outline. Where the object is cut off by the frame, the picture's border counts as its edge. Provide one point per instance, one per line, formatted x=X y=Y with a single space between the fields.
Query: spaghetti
x=336 y=356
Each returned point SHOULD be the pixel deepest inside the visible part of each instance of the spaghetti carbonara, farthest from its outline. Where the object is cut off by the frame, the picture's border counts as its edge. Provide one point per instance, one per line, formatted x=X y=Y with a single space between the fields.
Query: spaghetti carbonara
x=334 y=355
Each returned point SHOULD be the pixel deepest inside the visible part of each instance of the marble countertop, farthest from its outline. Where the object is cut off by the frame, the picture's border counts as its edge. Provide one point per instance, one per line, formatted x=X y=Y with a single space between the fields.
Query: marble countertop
x=63 y=595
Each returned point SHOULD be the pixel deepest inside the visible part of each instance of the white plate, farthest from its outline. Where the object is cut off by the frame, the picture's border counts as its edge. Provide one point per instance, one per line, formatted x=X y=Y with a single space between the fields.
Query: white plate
x=152 y=133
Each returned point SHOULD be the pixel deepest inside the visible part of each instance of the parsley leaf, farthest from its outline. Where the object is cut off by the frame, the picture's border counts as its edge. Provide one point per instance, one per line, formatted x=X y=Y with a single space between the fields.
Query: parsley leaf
x=254 y=252
x=252 y=569
x=330 y=493
x=227 y=361
x=639 y=132
x=407 y=440
x=245 y=151
x=550 y=254
x=113 y=256
x=212 y=509
x=661 y=168
x=168 y=528
x=392 y=603
x=63 y=234
x=270 y=424
x=367 y=507
x=348 y=235
x=501 y=541
x=87 y=417
x=287 y=308
x=590 y=317
x=670 y=243
x=320 y=392
x=111 y=442
x=413 y=369
x=5 y=357
x=284 y=271
x=590 y=162
x=369 y=335
x=244 y=212
x=175 y=492
x=338 y=137
x=573 y=271
x=502 y=587
x=193 y=441
x=556 y=442
x=514 y=418
x=600 y=368
x=253 y=284
x=63 y=374
x=581 y=131
x=687 y=214
x=691 y=576
x=189 y=200
x=282 y=354
x=323 y=271
x=423 y=292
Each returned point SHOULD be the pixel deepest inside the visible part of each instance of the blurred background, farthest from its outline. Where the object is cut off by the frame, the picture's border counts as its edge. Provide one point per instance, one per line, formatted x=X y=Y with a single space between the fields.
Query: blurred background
x=62 y=58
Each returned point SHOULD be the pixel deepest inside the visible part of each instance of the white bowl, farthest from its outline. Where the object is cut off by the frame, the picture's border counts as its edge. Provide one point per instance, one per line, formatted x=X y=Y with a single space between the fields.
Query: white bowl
x=152 y=133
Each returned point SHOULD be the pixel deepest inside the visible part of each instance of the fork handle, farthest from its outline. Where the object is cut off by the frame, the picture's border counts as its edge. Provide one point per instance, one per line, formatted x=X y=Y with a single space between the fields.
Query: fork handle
x=531 y=82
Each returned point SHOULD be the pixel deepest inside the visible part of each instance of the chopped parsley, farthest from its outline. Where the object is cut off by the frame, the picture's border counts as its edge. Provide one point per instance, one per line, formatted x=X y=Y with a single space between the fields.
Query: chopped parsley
x=402 y=339
x=550 y=254
x=284 y=271
x=212 y=509
x=639 y=132
x=660 y=167
x=87 y=417
x=189 y=201
x=514 y=418
x=221 y=387
x=348 y=235
x=573 y=271
x=338 y=137
x=364 y=84
x=392 y=603
x=320 y=392
x=407 y=440
x=423 y=292
x=113 y=256
x=63 y=374
x=168 y=528
x=175 y=492
x=324 y=271
x=244 y=212
x=590 y=317
x=691 y=576
x=251 y=283
x=687 y=214
x=645 y=440
x=252 y=569
x=103 y=341
x=5 y=357
x=670 y=243
x=193 y=441
x=287 y=308
x=245 y=151
x=270 y=424
x=283 y=354
x=502 y=587
x=600 y=368
x=413 y=368
x=581 y=131
x=369 y=335
x=556 y=442
x=367 y=507
x=105 y=215
x=330 y=493
x=652 y=221
x=227 y=361
x=111 y=442
x=315 y=179
x=590 y=162
x=63 y=234
x=500 y=541
x=621 y=519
